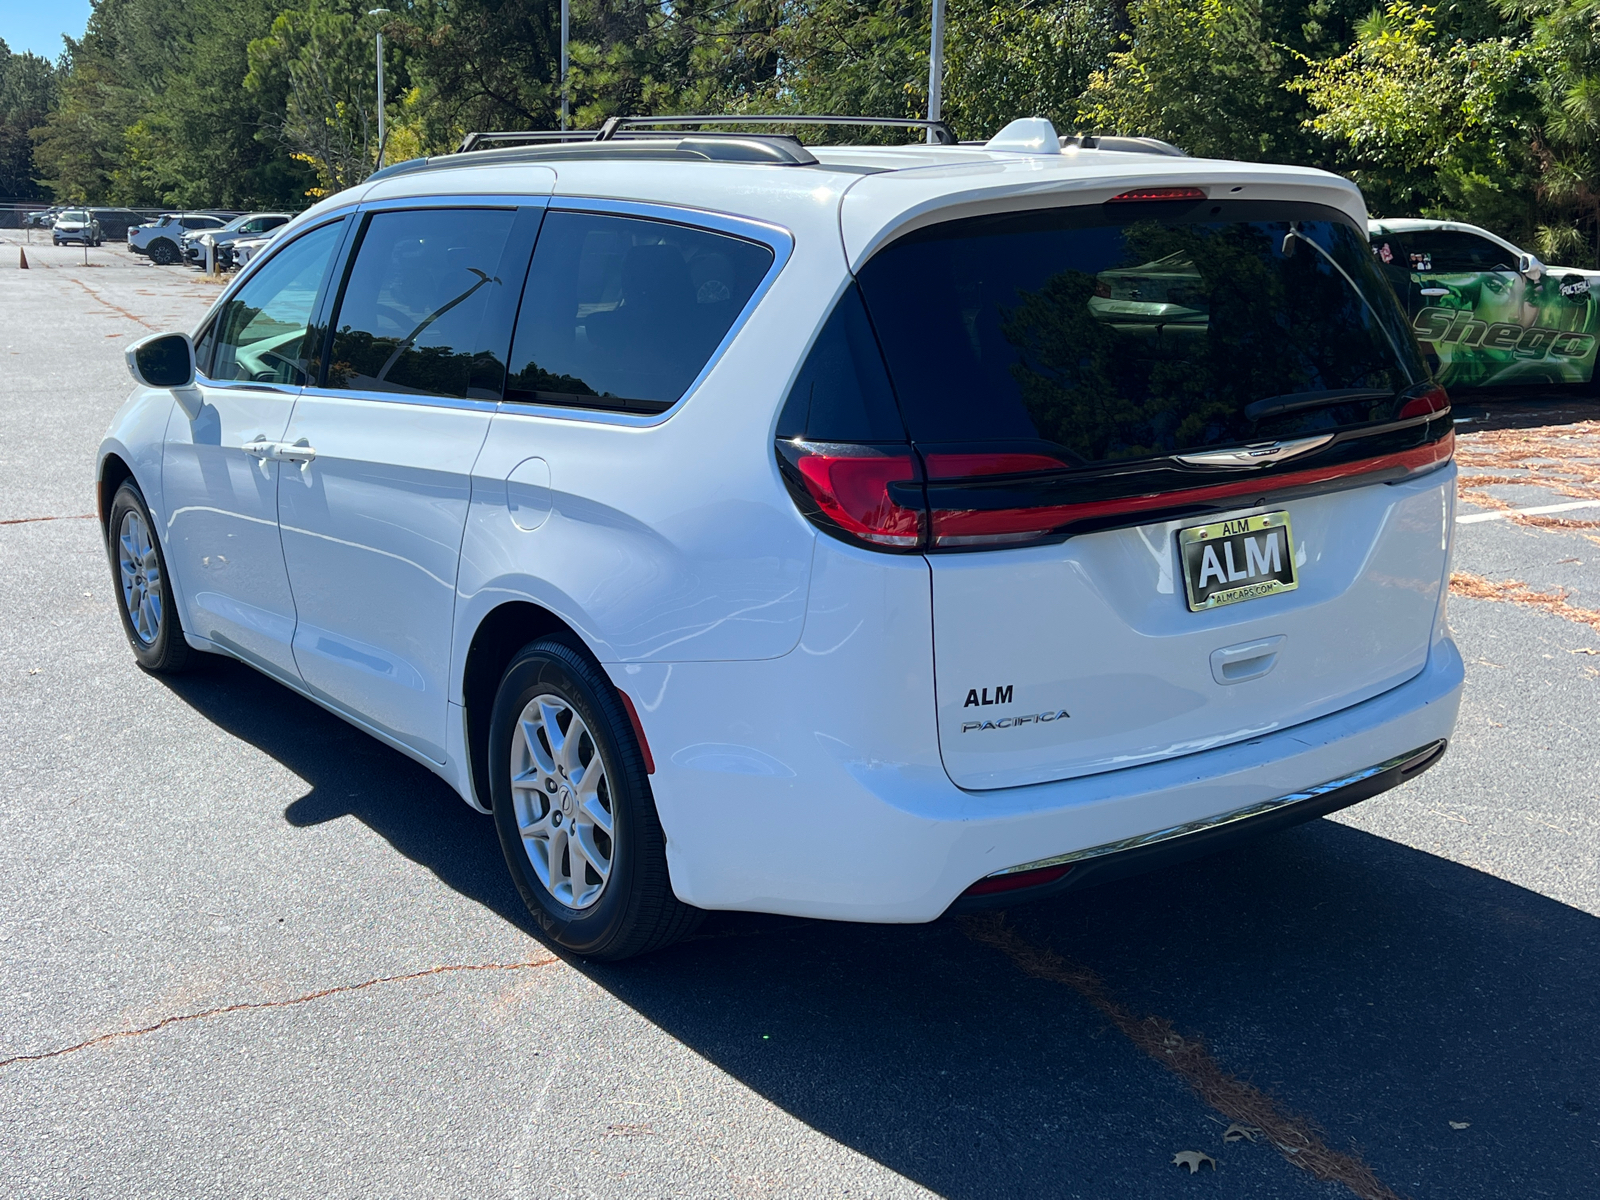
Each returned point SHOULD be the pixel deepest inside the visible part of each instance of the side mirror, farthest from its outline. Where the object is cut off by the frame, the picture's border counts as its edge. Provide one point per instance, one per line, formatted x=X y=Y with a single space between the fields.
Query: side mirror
x=166 y=360
x=1530 y=268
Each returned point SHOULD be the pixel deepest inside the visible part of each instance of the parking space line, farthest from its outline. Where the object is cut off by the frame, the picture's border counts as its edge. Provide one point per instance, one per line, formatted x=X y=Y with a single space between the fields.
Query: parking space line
x=1187 y=1058
x=342 y=989
x=1539 y=510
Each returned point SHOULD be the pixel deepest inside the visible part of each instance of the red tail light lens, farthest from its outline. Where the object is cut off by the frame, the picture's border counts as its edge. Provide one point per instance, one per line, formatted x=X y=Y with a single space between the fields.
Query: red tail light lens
x=850 y=484
x=954 y=527
x=1159 y=193
x=1016 y=882
x=1429 y=398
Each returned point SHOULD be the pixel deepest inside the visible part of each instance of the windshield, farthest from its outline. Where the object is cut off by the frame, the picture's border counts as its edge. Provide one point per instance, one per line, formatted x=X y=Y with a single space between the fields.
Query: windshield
x=73 y=214
x=1129 y=331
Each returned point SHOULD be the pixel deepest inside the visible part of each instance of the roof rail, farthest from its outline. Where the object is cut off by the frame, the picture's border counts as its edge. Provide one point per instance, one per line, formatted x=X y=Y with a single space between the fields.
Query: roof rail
x=942 y=133
x=615 y=128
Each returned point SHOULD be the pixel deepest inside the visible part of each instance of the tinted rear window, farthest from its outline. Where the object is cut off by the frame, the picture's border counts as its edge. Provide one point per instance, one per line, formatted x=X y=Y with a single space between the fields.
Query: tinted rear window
x=624 y=313
x=1131 y=331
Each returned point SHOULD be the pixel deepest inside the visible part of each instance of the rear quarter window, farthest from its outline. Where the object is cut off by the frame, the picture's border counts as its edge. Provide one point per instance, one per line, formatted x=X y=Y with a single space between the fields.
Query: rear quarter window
x=623 y=313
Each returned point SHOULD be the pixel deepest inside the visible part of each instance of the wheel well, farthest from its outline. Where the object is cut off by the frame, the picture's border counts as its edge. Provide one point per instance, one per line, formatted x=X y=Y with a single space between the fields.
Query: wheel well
x=113 y=473
x=498 y=637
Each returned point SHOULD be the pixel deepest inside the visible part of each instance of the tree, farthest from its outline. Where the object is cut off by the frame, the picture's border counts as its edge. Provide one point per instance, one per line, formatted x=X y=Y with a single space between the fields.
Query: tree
x=27 y=94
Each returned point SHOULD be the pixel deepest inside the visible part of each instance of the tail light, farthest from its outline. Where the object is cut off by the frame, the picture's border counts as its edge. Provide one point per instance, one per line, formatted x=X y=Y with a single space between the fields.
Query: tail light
x=872 y=493
x=1424 y=400
x=953 y=528
x=1158 y=193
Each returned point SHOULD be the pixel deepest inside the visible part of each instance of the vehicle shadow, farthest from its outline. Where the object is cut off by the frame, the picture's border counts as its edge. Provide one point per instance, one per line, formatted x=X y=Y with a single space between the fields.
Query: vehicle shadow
x=1380 y=991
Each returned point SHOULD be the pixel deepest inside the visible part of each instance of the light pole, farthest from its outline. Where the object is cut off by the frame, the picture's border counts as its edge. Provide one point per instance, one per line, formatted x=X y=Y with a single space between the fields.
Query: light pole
x=380 y=12
x=566 y=15
x=936 y=68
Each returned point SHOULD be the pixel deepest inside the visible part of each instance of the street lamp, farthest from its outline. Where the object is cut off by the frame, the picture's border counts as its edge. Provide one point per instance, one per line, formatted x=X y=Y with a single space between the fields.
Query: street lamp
x=382 y=12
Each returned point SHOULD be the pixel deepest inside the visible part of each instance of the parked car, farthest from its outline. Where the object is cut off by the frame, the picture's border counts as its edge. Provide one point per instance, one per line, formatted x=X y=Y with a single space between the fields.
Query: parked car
x=159 y=239
x=747 y=525
x=76 y=225
x=238 y=253
x=1489 y=313
x=115 y=222
x=43 y=218
x=249 y=225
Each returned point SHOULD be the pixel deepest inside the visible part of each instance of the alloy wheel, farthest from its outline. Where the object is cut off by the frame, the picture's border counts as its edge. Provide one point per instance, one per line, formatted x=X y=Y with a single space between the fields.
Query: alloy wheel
x=140 y=572
x=562 y=801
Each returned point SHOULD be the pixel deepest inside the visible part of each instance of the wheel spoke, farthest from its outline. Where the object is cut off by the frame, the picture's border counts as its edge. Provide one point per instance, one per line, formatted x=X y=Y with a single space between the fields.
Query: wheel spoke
x=536 y=750
x=584 y=847
x=595 y=813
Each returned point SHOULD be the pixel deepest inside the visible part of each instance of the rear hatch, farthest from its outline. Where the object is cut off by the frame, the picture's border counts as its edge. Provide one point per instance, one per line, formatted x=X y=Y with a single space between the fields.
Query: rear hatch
x=1172 y=462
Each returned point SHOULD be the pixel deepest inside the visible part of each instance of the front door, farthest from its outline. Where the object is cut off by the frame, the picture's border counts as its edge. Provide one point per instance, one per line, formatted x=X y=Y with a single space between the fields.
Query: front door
x=374 y=494
x=219 y=475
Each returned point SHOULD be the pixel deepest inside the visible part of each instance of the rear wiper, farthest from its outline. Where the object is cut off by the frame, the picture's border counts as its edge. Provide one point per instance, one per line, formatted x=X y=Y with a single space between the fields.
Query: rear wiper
x=1272 y=406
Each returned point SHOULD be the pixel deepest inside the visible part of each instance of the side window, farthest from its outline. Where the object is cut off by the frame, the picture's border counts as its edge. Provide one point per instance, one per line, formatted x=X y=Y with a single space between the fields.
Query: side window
x=623 y=313
x=842 y=393
x=1449 y=251
x=417 y=302
x=261 y=331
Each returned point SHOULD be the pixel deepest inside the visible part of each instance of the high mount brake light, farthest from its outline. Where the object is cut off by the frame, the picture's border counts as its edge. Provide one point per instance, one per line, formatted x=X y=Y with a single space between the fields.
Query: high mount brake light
x=1158 y=193
x=1426 y=399
x=850 y=484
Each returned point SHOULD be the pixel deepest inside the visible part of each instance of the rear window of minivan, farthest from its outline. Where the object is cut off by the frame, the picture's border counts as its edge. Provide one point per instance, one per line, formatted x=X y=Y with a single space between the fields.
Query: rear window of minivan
x=1129 y=331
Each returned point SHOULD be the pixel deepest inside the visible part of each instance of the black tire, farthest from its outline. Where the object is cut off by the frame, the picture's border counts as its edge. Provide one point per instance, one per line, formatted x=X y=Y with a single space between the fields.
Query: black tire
x=157 y=644
x=163 y=252
x=635 y=911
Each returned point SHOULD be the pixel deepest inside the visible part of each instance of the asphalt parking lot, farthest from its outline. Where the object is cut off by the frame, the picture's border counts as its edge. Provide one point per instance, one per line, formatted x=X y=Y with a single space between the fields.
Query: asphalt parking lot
x=245 y=951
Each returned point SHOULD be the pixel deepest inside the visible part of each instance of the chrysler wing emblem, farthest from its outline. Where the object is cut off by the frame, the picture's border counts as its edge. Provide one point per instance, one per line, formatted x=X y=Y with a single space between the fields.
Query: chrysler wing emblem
x=1258 y=454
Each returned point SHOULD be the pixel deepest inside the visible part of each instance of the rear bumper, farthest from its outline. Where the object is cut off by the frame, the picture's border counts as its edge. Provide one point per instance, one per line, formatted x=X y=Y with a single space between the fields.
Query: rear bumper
x=841 y=811
x=1168 y=847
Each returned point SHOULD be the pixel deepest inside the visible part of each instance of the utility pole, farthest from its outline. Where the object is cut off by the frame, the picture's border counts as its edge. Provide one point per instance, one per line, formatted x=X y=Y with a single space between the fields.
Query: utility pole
x=936 y=68
x=380 y=12
x=566 y=16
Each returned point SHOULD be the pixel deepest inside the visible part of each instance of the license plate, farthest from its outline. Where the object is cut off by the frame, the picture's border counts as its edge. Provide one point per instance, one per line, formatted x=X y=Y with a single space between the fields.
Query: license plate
x=1242 y=559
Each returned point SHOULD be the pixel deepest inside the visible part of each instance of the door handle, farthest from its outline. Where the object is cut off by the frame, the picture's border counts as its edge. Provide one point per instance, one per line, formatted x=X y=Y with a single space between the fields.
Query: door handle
x=301 y=452
x=260 y=448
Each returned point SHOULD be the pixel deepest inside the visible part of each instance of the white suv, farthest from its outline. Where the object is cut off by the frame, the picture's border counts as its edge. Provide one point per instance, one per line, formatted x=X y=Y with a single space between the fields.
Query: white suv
x=848 y=532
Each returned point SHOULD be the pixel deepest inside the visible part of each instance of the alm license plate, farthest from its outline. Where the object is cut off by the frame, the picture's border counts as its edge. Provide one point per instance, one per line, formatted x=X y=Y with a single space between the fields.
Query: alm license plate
x=1242 y=559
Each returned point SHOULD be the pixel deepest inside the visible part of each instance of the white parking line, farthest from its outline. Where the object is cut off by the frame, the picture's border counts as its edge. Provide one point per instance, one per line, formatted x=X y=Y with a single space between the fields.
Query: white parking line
x=1539 y=511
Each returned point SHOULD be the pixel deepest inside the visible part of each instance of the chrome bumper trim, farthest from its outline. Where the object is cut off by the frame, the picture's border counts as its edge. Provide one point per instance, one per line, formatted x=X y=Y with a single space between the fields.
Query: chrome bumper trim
x=1403 y=761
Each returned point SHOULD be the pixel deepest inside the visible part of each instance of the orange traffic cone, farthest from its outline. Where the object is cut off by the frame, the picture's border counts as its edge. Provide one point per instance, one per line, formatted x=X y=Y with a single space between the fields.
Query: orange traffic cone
x=23 y=265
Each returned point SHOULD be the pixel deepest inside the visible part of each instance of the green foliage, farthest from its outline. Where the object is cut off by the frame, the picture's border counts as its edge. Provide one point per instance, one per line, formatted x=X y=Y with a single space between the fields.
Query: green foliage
x=1483 y=109
x=27 y=94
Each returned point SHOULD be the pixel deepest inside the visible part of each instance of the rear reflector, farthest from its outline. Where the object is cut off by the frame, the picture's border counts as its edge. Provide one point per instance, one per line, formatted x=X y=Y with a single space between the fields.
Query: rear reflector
x=1012 y=883
x=853 y=490
x=1159 y=193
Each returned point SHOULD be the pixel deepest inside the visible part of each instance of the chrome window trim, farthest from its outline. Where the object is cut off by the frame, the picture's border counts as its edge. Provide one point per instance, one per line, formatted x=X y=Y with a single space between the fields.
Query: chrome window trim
x=457 y=200
x=462 y=403
x=775 y=237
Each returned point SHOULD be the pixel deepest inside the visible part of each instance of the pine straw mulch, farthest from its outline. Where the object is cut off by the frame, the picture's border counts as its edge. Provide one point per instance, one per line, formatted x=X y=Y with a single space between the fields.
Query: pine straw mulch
x=1565 y=459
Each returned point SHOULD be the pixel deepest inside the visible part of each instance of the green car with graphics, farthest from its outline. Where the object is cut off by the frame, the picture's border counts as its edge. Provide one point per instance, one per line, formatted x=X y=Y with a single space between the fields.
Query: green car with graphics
x=1491 y=315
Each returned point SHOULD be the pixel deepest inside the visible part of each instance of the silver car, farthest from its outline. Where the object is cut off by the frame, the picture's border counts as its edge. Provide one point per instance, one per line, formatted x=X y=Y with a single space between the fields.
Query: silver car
x=76 y=225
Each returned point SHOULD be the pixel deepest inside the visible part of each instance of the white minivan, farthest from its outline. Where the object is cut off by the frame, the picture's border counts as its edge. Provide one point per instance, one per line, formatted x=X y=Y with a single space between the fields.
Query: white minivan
x=855 y=532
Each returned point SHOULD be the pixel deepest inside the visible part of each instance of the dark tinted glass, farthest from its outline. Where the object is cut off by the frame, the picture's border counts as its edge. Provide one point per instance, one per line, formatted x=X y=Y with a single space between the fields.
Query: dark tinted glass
x=1448 y=250
x=260 y=334
x=842 y=393
x=624 y=313
x=415 y=306
x=1125 y=331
